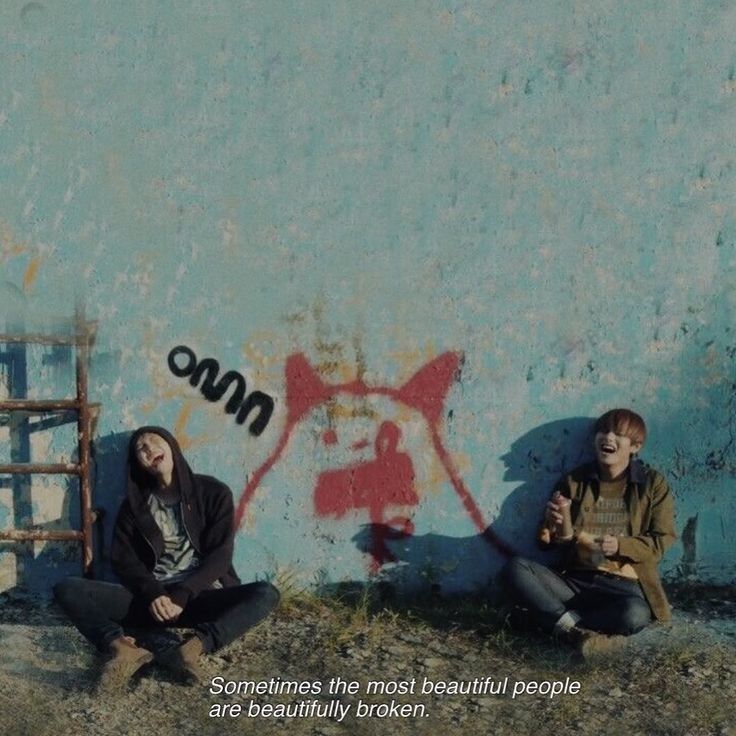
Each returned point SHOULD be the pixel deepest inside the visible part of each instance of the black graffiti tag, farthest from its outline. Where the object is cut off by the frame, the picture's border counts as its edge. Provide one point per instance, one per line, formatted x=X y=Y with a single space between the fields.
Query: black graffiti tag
x=238 y=403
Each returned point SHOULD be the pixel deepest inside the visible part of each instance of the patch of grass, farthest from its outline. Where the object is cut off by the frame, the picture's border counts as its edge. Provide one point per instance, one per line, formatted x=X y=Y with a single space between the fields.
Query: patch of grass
x=677 y=683
x=295 y=596
x=27 y=712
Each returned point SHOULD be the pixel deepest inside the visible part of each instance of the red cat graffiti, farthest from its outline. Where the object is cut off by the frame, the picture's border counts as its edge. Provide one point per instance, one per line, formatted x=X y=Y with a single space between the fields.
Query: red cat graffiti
x=387 y=481
x=376 y=485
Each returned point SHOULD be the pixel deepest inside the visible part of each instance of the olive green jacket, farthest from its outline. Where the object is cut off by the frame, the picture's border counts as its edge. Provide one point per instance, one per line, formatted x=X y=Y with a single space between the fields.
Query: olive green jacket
x=651 y=515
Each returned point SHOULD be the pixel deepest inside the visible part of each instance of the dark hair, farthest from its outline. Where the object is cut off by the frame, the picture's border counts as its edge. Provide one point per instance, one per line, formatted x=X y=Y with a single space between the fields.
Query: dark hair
x=141 y=477
x=624 y=422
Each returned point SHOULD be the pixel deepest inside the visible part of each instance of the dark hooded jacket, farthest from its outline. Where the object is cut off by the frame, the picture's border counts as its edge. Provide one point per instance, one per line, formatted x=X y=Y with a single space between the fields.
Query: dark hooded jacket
x=207 y=512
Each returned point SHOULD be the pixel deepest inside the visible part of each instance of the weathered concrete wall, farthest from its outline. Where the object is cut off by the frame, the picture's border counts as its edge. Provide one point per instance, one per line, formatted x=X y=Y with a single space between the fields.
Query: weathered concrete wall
x=533 y=202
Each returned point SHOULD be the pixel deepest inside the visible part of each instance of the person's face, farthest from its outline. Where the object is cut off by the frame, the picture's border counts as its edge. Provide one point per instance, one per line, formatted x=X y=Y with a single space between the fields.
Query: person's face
x=614 y=450
x=154 y=455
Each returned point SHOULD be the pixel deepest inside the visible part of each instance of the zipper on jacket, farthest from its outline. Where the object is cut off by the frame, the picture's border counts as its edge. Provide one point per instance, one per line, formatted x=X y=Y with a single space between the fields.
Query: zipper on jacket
x=150 y=544
x=184 y=524
x=146 y=539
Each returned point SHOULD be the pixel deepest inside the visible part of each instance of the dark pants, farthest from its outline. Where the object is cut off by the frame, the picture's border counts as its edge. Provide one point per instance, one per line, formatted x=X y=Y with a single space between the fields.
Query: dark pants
x=101 y=611
x=607 y=603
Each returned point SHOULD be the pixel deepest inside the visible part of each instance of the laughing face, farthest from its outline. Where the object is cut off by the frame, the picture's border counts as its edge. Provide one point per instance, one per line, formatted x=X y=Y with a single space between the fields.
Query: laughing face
x=613 y=451
x=154 y=456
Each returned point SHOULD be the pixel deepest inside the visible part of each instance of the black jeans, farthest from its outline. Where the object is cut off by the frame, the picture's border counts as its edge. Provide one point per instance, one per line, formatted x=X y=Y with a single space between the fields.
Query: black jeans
x=607 y=603
x=101 y=611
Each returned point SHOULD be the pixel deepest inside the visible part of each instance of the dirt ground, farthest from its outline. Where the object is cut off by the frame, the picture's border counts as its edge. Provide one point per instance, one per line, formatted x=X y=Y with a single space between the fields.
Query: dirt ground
x=678 y=680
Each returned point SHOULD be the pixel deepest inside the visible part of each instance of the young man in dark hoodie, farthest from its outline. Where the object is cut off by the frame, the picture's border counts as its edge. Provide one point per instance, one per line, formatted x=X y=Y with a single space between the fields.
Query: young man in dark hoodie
x=172 y=550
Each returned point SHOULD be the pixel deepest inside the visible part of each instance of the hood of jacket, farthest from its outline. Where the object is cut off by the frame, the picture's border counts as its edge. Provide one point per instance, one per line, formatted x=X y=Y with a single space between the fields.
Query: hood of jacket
x=207 y=516
x=141 y=484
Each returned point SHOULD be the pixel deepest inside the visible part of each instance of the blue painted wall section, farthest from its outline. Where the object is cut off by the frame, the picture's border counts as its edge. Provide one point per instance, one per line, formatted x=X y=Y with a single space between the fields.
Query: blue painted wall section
x=328 y=199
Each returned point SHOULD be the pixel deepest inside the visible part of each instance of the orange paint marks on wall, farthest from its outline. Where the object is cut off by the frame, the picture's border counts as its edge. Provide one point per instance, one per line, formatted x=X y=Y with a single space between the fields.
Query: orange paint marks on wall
x=31 y=274
x=9 y=246
x=186 y=441
x=180 y=427
x=336 y=410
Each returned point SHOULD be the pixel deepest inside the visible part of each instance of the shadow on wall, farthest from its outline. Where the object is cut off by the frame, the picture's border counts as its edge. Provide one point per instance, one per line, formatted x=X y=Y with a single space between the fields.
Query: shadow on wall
x=36 y=572
x=33 y=567
x=437 y=563
x=28 y=500
x=694 y=427
x=38 y=565
x=110 y=455
x=537 y=460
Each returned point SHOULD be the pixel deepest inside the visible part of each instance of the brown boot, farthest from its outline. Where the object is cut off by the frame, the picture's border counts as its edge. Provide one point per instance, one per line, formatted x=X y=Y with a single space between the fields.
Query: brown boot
x=126 y=658
x=591 y=645
x=184 y=661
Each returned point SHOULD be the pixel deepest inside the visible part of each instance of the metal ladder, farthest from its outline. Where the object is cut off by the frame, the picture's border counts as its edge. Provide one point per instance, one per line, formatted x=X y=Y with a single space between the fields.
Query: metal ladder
x=81 y=341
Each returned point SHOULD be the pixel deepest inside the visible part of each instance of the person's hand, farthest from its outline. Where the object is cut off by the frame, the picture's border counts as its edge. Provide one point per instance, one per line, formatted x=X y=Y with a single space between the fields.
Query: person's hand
x=553 y=514
x=164 y=609
x=609 y=545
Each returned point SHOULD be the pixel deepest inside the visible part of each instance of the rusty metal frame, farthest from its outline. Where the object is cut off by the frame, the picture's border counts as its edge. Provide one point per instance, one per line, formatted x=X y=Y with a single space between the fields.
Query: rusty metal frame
x=81 y=341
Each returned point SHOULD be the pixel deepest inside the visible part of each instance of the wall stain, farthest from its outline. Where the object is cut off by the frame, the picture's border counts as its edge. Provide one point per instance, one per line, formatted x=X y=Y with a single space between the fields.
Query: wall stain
x=689 y=552
x=28 y=9
x=9 y=246
x=180 y=427
x=31 y=274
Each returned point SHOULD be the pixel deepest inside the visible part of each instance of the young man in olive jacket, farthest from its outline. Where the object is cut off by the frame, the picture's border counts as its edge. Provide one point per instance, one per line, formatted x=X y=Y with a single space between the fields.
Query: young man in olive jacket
x=172 y=550
x=614 y=519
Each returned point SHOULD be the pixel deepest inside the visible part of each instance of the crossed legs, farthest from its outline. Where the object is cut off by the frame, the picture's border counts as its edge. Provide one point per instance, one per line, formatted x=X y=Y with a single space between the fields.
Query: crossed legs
x=102 y=611
x=605 y=603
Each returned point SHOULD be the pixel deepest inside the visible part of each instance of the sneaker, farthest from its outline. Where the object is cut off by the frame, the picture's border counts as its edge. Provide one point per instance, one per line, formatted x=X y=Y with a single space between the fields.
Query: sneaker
x=125 y=660
x=184 y=661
